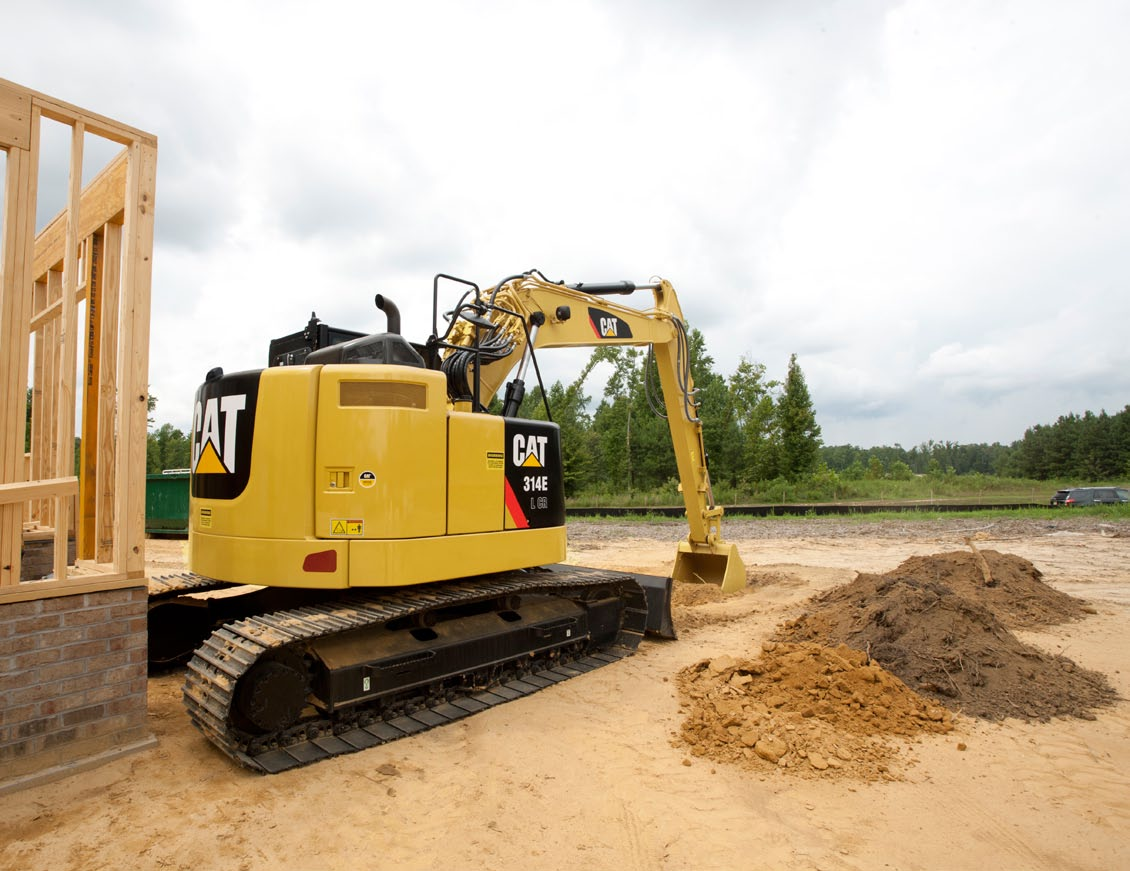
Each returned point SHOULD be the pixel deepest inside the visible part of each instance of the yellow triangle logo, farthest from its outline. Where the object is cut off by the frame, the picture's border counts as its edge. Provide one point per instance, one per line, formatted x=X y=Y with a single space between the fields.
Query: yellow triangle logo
x=531 y=460
x=338 y=528
x=209 y=462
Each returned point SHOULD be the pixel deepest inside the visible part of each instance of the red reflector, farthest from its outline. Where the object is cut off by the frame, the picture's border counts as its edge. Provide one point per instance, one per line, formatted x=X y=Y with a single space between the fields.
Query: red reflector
x=320 y=561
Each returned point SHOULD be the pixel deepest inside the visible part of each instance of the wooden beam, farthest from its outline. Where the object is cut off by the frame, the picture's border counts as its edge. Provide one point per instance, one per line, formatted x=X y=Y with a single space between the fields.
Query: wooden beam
x=15 y=117
x=53 y=366
x=65 y=113
x=65 y=461
x=11 y=518
x=18 y=222
x=95 y=583
x=108 y=391
x=37 y=470
x=133 y=356
x=48 y=313
x=86 y=525
x=101 y=204
x=47 y=488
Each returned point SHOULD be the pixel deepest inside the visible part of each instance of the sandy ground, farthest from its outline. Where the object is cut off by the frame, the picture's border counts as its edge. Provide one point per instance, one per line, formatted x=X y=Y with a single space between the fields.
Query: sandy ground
x=590 y=772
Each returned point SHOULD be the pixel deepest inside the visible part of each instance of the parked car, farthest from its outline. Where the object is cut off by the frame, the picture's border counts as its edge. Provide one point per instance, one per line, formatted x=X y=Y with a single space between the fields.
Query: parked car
x=1059 y=498
x=1083 y=496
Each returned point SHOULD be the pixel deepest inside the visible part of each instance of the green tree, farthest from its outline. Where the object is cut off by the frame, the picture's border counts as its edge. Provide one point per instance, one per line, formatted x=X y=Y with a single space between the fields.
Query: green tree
x=568 y=405
x=1090 y=447
x=721 y=433
x=167 y=448
x=854 y=472
x=900 y=471
x=653 y=455
x=612 y=421
x=754 y=410
x=799 y=432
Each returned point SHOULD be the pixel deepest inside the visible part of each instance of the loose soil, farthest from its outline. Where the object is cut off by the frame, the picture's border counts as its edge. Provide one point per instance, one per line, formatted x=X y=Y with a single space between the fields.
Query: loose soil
x=937 y=624
x=626 y=767
x=805 y=708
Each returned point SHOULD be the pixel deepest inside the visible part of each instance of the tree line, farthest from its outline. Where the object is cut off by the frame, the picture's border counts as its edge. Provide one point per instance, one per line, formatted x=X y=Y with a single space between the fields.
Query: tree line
x=761 y=434
x=758 y=430
x=1089 y=447
x=754 y=428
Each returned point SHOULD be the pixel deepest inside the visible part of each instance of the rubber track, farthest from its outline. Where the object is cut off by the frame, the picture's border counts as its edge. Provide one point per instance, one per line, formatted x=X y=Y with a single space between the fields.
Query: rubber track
x=217 y=665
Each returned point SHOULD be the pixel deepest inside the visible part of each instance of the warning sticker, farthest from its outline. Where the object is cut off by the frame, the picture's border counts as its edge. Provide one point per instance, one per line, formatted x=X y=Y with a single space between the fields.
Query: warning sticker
x=347 y=527
x=496 y=460
x=206 y=518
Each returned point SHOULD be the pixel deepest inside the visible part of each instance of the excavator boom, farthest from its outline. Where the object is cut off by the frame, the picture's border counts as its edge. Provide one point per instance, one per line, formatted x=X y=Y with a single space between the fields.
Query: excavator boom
x=528 y=312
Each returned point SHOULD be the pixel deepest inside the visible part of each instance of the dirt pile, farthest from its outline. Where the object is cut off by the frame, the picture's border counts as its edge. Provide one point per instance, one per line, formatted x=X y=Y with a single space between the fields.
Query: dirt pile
x=803 y=707
x=694 y=605
x=691 y=595
x=1015 y=590
x=687 y=601
x=936 y=624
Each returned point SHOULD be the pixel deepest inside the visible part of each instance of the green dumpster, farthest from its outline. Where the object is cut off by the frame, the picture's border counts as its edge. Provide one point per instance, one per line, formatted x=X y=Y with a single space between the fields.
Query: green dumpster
x=166 y=503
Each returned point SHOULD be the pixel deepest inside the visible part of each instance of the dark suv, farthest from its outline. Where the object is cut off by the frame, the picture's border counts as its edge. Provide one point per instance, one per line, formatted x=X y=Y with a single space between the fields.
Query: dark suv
x=1082 y=496
x=1059 y=498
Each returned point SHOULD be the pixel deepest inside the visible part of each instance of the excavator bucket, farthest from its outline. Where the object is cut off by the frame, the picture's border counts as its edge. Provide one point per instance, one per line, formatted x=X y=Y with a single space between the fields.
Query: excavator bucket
x=717 y=563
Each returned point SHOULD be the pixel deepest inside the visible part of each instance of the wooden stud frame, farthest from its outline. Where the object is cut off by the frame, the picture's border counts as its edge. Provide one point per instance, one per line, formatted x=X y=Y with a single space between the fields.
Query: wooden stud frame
x=98 y=251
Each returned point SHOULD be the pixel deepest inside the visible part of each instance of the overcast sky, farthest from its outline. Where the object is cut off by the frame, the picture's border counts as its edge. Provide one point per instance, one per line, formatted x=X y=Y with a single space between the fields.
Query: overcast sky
x=927 y=202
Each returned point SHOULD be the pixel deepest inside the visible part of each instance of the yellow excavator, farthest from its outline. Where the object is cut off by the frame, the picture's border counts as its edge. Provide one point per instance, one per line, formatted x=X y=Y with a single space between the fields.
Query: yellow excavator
x=397 y=547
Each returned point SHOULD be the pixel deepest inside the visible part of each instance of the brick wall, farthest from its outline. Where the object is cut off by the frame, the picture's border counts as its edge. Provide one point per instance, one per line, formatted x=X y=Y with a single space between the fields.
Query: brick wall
x=37 y=556
x=72 y=679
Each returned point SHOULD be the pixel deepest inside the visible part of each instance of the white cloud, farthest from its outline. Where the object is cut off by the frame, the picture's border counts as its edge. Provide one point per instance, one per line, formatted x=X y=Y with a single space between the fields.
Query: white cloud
x=922 y=200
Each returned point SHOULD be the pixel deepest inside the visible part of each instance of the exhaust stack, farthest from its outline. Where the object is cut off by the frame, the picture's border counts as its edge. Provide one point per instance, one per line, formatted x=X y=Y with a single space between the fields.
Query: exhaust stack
x=391 y=312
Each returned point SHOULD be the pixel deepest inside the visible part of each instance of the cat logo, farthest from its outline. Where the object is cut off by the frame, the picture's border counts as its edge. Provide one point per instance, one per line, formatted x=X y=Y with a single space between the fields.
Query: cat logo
x=215 y=433
x=529 y=450
x=608 y=326
x=223 y=430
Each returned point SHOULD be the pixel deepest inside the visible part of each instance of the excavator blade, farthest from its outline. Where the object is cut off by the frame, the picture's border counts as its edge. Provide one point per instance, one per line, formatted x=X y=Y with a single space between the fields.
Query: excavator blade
x=718 y=563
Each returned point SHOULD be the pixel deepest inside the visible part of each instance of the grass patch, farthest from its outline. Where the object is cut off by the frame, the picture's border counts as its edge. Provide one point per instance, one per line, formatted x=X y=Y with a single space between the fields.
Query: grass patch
x=1113 y=513
x=988 y=513
x=826 y=487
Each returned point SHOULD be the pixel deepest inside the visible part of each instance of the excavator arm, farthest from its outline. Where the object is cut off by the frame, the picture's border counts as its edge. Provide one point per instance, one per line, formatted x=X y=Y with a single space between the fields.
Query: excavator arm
x=504 y=325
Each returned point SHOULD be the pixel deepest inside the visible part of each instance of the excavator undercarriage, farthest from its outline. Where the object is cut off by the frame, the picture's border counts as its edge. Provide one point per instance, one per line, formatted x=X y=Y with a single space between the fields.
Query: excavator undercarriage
x=284 y=689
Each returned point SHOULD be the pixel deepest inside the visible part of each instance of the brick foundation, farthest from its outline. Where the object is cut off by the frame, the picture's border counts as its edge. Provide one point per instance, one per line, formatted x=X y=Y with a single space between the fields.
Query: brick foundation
x=72 y=679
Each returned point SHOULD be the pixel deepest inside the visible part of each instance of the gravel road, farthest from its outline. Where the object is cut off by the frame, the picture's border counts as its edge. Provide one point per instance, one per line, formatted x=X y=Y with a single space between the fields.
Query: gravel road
x=583 y=532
